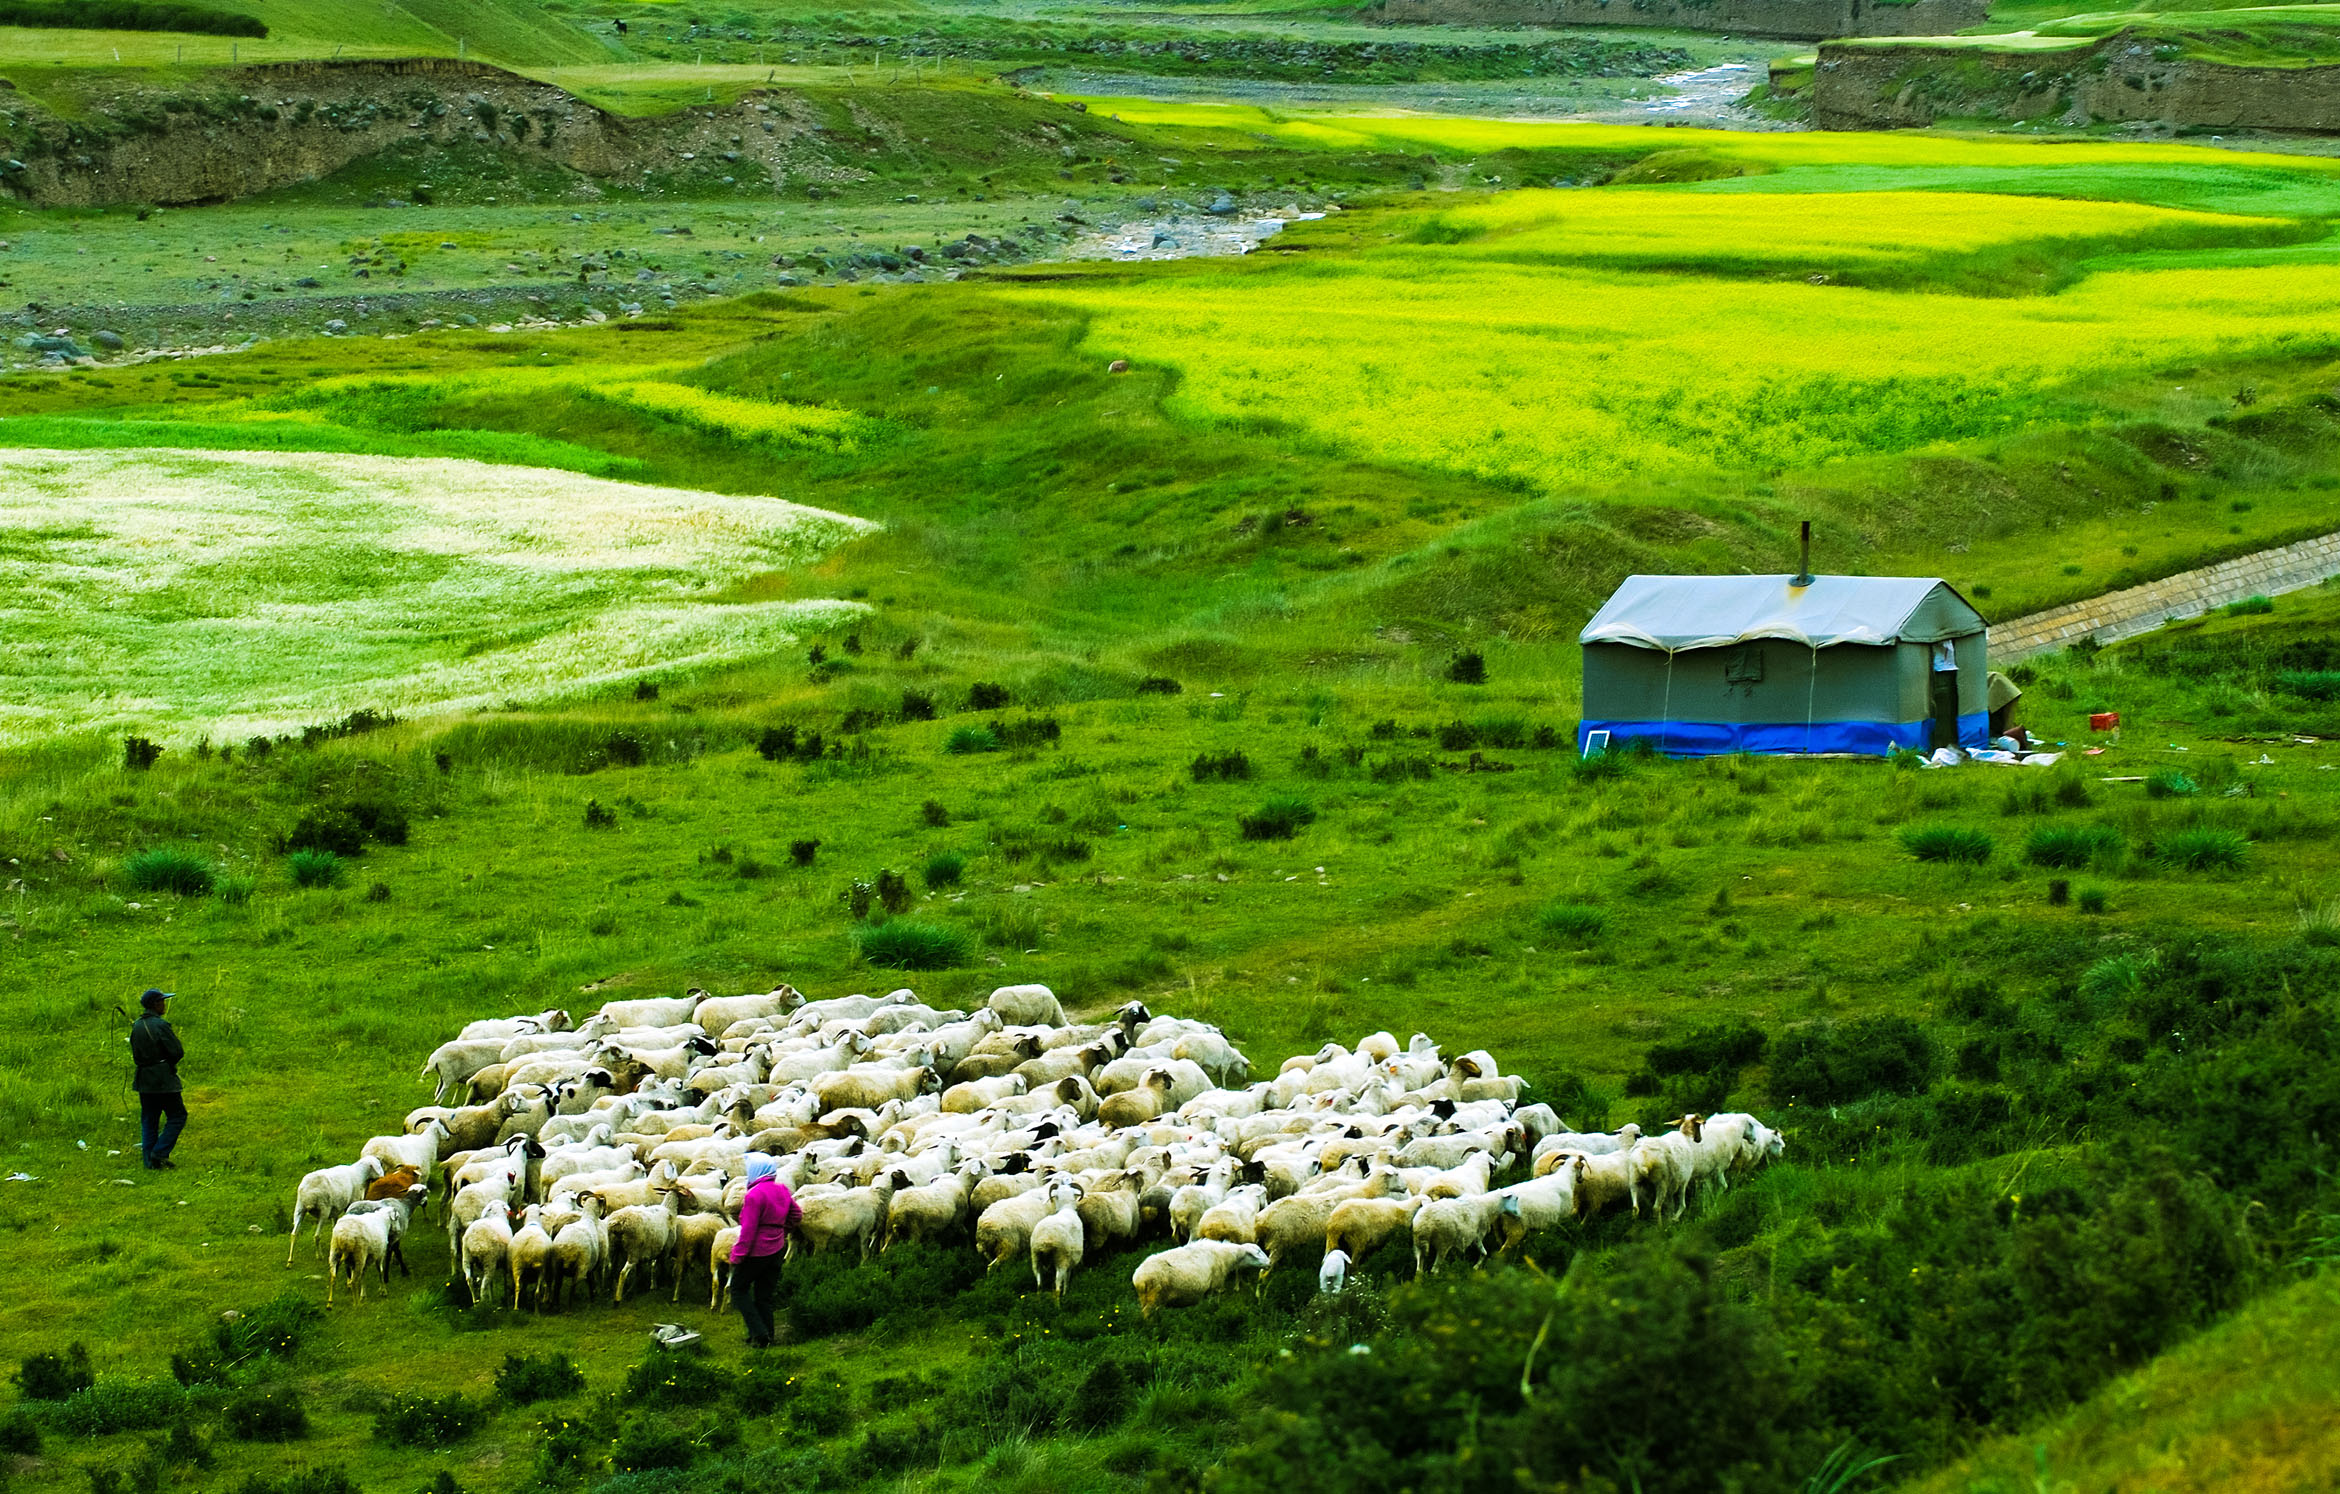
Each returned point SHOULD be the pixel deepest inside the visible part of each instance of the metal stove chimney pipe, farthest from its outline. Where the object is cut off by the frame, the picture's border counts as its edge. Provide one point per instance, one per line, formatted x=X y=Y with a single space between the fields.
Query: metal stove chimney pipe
x=1804 y=576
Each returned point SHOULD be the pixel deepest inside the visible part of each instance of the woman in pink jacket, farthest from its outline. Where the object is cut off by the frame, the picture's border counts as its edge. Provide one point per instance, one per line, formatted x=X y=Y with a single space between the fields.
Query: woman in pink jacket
x=765 y=1219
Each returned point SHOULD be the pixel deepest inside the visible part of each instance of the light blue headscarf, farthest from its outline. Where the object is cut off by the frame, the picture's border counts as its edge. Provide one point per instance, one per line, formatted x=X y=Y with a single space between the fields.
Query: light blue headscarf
x=760 y=1165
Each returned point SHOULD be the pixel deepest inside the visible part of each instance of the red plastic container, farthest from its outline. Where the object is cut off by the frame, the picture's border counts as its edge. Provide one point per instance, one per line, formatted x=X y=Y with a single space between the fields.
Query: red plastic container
x=2105 y=721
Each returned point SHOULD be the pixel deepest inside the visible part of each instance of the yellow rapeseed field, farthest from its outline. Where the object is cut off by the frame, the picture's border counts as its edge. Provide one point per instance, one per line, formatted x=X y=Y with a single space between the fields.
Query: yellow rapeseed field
x=1555 y=372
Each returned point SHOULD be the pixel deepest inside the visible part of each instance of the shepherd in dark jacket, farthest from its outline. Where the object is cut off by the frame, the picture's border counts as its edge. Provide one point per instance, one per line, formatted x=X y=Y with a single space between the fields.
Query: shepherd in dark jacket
x=155 y=1051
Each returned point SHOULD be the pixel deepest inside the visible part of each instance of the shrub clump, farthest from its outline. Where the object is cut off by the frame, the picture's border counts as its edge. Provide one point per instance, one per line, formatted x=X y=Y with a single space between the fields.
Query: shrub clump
x=20 y=1435
x=1953 y=843
x=166 y=870
x=1580 y=923
x=54 y=1377
x=525 y=1380
x=1469 y=668
x=2067 y=847
x=336 y=831
x=428 y=1420
x=108 y=1406
x=2202 y=850
x=911 y=944
x=1222 y=767
x=943 y=869
x=2169 y=783
x=1277 y=819
x=676 y=1379
x=969 y=739
x=984 y=696
x=314 y=868
x=1830 y=1064
x=272 y=1414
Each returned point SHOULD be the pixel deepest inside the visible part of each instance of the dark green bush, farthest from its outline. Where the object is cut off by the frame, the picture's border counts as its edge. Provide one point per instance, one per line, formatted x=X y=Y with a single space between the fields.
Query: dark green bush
x=1279 y=818
x=1708 y=1049
x=109 y=1406
x=943 y=869
x=525 y=1380
x=272 y=1414
x=428 y=1420
x=2067 y=847
x=20 y=1435
x=1032 y=731
x=599 y=816
x=314 y=868
x=672 y=1379
x=2169 y=783
x=911 y=944
x=1220 y=767
x=890 y=1451
x=302 y=1481
x=1947 y=843
x=2201 y=850
x=382 y=822
x=2250 y=607
x=1107 y=1395
x=335 y=831
x=166 y=870
x=138 y=754
x=1468 y=668
x=917 y=705
x=934 y=814
x=1577 y=923
x=982 y=696
x=802 y=852
x=647 y=1442
x=2313 y=684
x=1829 y=1063
x=54 y=1377
x=826 y=1294
x=823 y=1405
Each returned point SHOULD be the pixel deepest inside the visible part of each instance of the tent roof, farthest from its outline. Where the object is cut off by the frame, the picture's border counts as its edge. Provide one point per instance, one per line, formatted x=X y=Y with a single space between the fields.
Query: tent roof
x=1671 y=613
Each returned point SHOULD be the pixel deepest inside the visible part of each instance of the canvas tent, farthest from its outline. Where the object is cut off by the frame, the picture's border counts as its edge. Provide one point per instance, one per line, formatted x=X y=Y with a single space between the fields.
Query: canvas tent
x=1713 y=664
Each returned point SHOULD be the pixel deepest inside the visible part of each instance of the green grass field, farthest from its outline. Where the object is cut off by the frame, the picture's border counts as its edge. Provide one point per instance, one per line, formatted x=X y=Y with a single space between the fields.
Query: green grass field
x=2014 y=1244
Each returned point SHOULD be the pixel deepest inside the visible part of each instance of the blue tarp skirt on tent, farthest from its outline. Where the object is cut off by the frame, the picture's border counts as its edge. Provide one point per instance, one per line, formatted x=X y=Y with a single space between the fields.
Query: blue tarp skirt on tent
x=1722 y=738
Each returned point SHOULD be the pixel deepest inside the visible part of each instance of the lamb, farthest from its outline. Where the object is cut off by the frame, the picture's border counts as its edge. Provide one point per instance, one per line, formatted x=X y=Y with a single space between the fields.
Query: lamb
x=1446 y=1227
x=852 y=1217
x=1333 y=1276
x=453 y=1064
x=1109 y=1209
x=1234 y=1220
x=1003 y=1232
x=1185 y=1275
x=1150 y=1100
x=694 y=1236
x=531 y=1254
x=1027 y=1006
x=323 y=1194
x=1359 y=1226
x=719 y=1266
x=931 y=1210
x=968 y=1098
x=717 y=1013
x=652 y=1011
x=366 y=1238
x=643 y=1233
x=419 y=1151
x=864 y=1087
x=1058 y=1239
x=580 y=1249
x=1542 y=1203
x=1190 y=1203
x=486 y=1253
x=511 y=1027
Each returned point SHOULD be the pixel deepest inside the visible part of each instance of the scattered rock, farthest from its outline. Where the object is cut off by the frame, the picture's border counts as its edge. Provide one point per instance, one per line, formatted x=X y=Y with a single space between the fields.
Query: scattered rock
x=1221 y=206
x=336 y=327
x=111 y=341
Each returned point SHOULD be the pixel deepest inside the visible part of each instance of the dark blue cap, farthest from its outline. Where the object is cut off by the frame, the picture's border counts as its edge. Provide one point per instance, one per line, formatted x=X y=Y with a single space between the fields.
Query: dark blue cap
x=153 y=998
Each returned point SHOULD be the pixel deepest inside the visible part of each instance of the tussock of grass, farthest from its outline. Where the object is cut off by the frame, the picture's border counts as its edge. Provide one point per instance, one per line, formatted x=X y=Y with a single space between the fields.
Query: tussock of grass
x=909 y=944
x=1952 y=843
x=2067 y=847
x=2202 y=850
x=167 y=870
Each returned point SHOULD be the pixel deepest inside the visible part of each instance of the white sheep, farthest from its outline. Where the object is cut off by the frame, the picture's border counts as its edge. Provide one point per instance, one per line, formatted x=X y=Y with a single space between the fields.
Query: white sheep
x=1027 y=1006
x=1234 y=1220
x=419 y=1150
x=1541 y=1203
x=323 y=1194
x=531 y=1254
x=643 y=1234
x=1189 y=1203
x=1333 y=1276
x=366 y=1238
x=1058 y=1239
x=717 y=1013
x=580 y=1250
x=851 y=1217
x=1003 y=1232
x=1446 y=1227
x=655 y=1011
x=1186 y=1274
x=486 y=1253
x=453 y=1064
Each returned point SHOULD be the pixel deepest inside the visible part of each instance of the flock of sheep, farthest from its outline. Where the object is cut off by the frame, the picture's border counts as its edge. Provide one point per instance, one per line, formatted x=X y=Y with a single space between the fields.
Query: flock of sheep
x=587 y=1156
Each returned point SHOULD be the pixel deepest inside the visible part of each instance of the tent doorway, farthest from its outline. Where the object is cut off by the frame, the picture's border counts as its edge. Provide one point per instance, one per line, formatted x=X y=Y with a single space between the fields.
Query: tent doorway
x=1945 y=709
